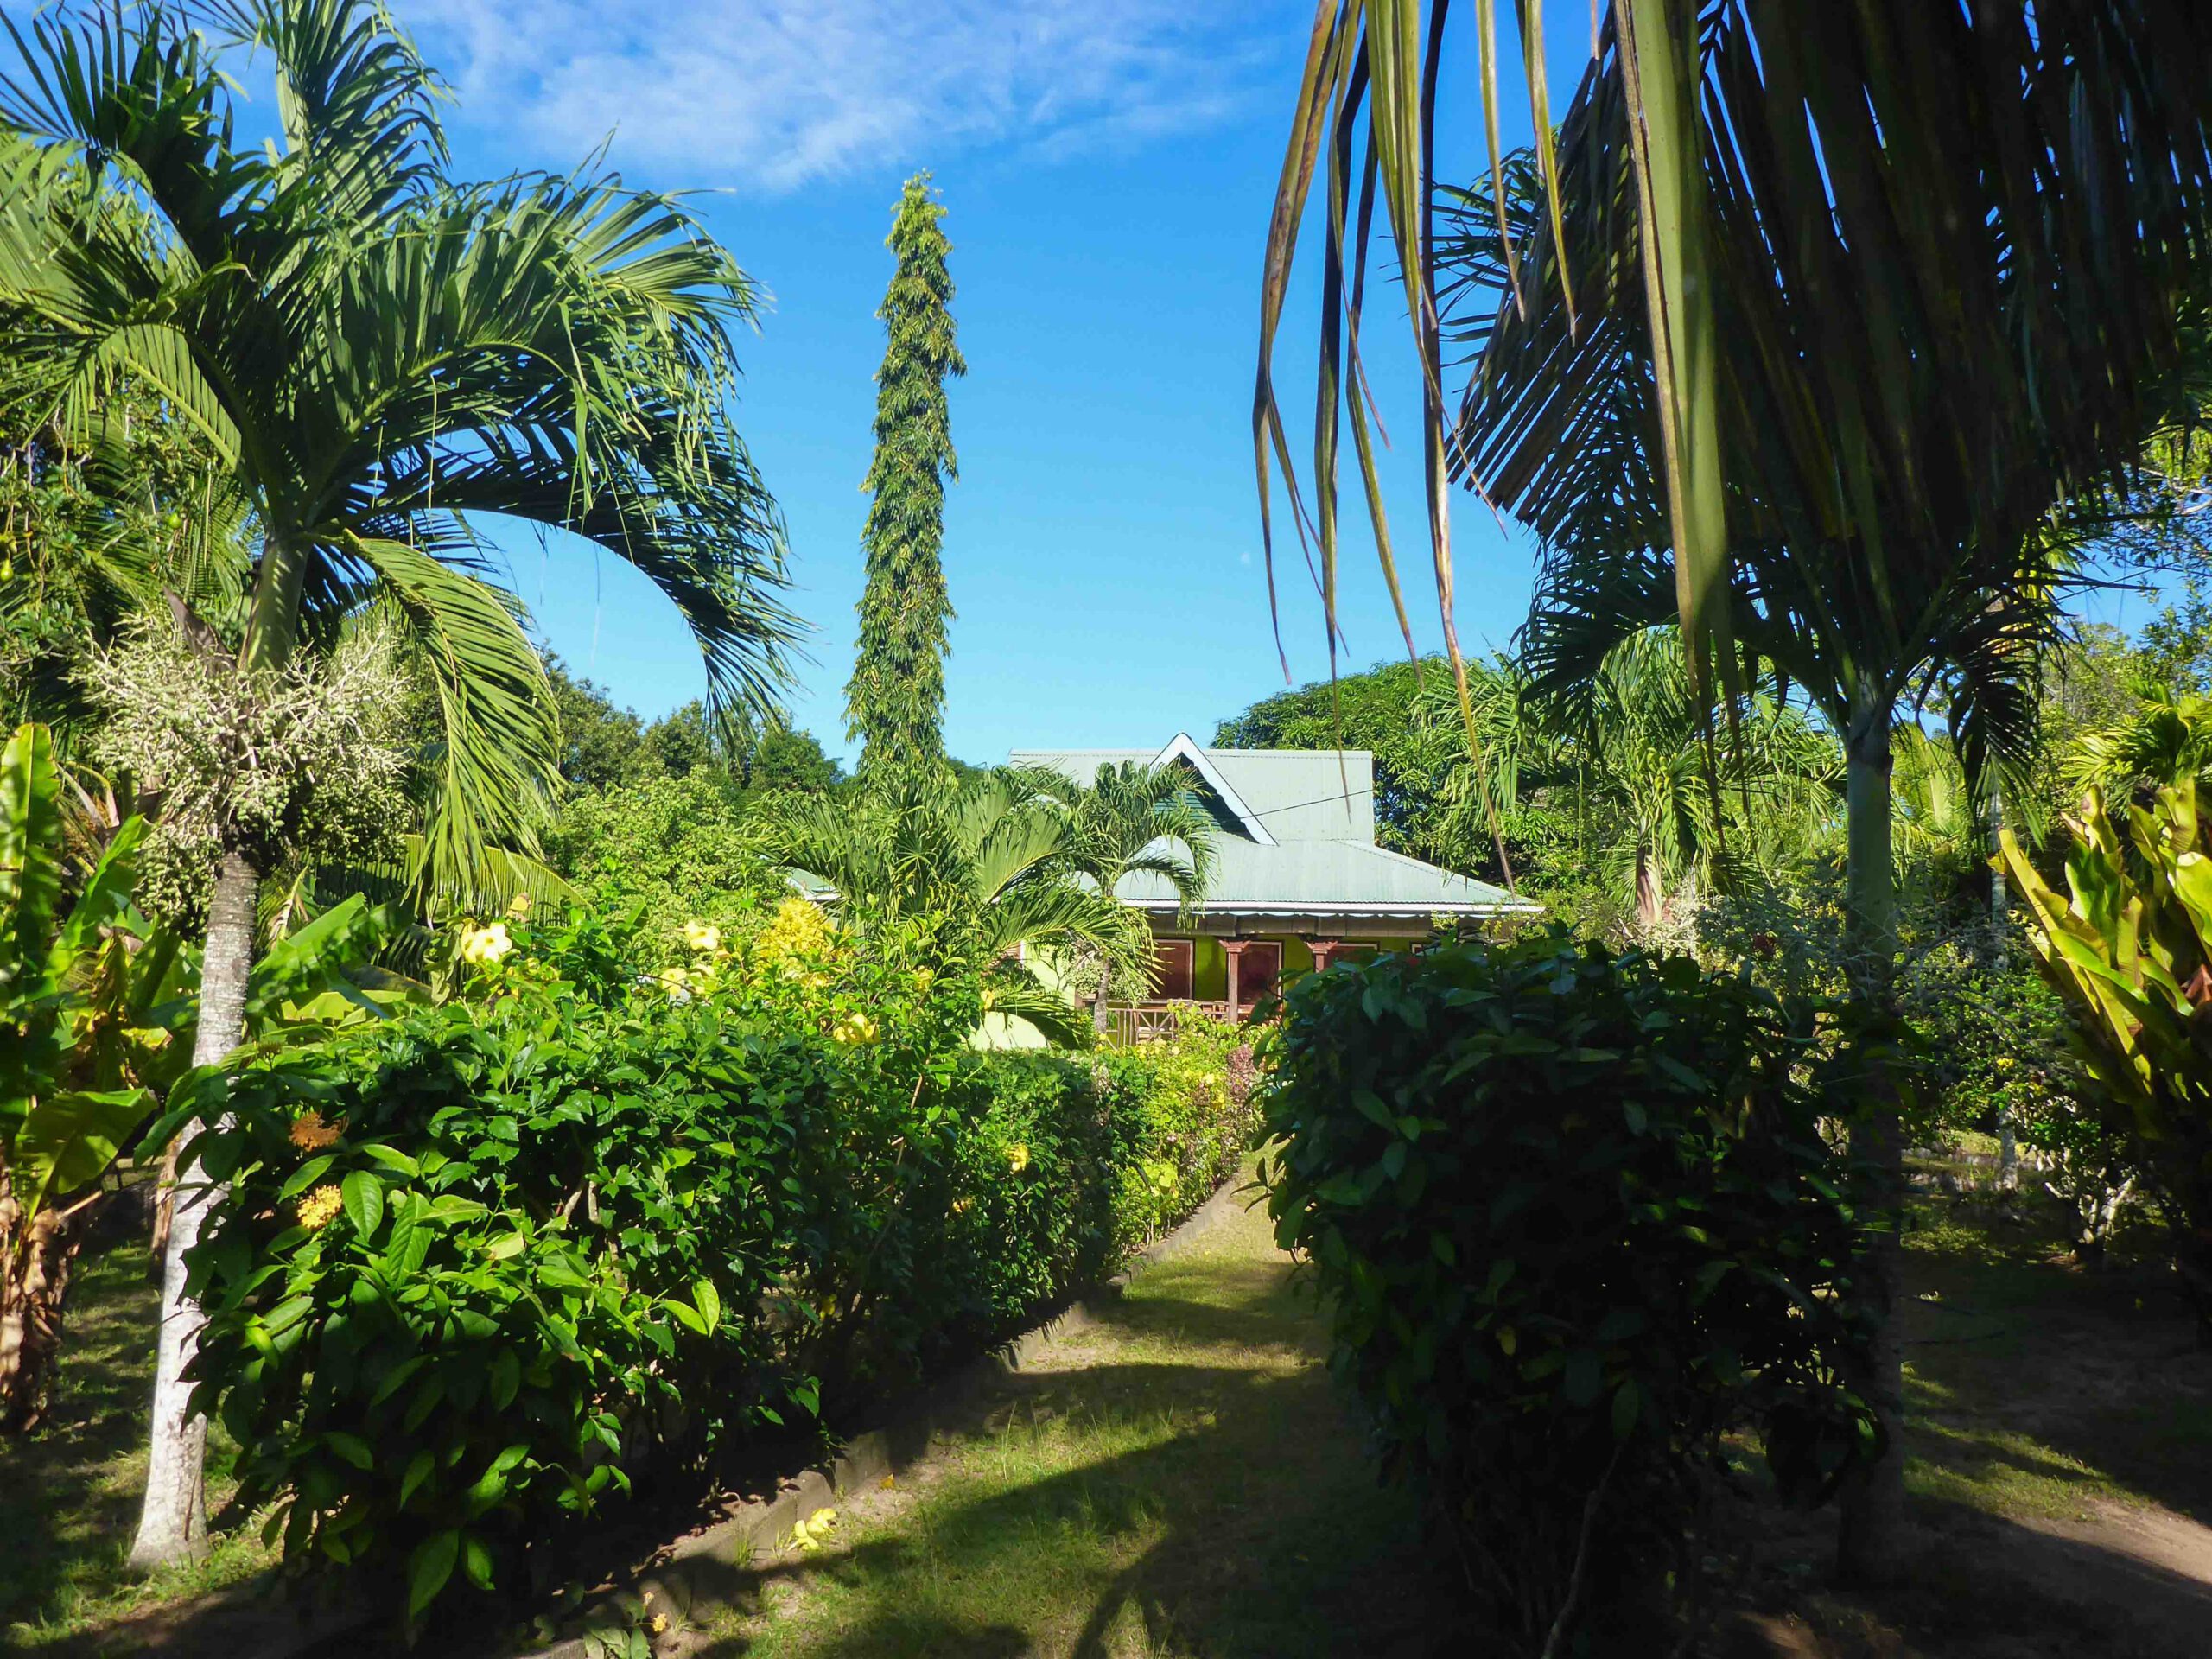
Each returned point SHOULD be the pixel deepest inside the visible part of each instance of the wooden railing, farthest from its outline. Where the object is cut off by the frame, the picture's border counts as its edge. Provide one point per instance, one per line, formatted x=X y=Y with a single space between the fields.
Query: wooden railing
x=1131 y=1023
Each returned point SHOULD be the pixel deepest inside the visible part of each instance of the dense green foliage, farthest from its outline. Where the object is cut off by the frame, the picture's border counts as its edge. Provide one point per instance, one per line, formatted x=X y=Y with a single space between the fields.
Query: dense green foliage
x=2128 y=947
x=1576 y=1222
x=91 y=1005
x=668 y=850
x=490 y=1263
x=1003 y=862
x=895 y=702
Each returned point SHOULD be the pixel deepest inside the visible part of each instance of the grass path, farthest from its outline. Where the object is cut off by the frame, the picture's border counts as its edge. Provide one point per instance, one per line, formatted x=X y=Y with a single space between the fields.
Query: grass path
x=69 y=1493
x=1177 y=1478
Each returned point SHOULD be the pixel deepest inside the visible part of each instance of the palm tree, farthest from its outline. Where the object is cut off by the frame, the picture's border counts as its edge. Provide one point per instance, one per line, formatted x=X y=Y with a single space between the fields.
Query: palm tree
x=375 y=355
x=1872 y=288
x=1135 y=819
x=2165 y=743
x=1676 y=817
x=989 y=867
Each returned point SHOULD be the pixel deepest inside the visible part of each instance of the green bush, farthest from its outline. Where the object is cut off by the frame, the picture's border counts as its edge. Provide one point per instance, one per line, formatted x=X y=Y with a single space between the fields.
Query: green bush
x=486 y=1264
x=1575 y=1224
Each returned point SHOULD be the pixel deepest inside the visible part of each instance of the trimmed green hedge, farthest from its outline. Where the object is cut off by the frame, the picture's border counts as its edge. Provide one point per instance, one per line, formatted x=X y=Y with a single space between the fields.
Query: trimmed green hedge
x=486 y=1263
x=1575 y=1222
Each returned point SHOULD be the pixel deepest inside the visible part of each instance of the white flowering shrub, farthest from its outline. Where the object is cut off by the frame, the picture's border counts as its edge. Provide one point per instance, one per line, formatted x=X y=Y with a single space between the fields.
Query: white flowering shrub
x=306 y=761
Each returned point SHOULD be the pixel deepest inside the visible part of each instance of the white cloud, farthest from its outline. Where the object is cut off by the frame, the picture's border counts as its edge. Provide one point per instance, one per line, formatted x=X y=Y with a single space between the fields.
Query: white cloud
x=771 y=94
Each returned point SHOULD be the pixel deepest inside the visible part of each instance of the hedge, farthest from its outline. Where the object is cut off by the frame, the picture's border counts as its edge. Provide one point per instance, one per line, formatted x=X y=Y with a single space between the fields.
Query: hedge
x=485 y=1265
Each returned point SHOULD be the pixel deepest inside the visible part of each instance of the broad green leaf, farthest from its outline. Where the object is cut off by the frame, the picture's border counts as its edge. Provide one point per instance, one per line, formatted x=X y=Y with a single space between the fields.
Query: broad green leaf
x=363 y=1194
x=30 y=855
x=428 y=1568
x=68 y=1142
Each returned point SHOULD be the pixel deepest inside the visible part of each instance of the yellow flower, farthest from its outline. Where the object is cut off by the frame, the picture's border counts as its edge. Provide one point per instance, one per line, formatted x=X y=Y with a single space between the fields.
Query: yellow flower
x=854 y=1028
x=657 y=1623
x=1017 y=1157
x=317 y=1209
x=485 y=945
x=704 y=938
x=675 y=980
x=962 y=1206
x=808 y=1533
x=798 y=931
x=310 y=1133
x=519 y=907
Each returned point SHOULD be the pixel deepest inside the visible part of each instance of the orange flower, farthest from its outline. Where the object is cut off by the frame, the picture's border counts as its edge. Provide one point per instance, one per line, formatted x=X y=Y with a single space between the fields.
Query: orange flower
x=311 y=1134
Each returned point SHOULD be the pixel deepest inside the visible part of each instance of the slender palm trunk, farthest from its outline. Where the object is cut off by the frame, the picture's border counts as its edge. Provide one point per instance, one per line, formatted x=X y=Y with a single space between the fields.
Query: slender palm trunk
x=2008 y=1139
x=1650 y=904
x=1871 y=1544
x=174 y=1522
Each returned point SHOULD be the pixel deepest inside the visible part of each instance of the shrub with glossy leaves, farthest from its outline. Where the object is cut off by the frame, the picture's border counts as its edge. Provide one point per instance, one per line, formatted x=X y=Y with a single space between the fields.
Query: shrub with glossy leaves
x=486 y=1263
x=1575 y=1222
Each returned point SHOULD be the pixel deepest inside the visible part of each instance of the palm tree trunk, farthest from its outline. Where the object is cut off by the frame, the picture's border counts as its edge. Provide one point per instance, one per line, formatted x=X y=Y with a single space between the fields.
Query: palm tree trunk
x=1650 y=905
x=174 y=1522
x=1871 y=1544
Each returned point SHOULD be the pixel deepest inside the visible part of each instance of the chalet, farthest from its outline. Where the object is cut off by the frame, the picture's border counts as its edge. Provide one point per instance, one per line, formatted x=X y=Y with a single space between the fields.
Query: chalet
x=1299 y=881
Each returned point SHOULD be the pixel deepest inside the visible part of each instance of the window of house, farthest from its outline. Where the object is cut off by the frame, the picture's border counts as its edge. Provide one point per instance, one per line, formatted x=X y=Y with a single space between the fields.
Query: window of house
x=1171 y=970
x=1257 y=970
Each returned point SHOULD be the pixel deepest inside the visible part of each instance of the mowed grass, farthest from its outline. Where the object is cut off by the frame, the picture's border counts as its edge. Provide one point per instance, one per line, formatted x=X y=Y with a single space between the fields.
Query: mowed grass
x=70 y=1492
x=2059 y=1458
x=2037 y=1386
x=1180 y=1478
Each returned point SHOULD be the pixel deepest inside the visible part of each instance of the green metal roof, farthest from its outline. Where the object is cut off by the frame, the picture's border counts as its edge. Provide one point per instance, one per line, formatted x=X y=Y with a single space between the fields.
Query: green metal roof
x=1301 y=844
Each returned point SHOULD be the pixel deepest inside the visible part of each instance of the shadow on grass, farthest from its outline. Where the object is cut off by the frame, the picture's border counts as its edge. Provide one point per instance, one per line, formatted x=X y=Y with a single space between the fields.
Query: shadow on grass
x=1259 y=1532
x=62 y=1552
x=1978 y=1587
x=1200 y=1488
x=2037 y=1385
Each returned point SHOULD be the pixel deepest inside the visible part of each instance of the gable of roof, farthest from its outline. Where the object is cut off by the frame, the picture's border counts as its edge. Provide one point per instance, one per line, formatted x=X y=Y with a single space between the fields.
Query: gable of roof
x=1305 y=794
x=1270 y=796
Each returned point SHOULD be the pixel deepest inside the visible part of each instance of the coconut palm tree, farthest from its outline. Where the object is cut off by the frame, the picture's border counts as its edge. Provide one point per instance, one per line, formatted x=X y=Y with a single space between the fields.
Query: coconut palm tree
x=1135 y=819
x=990 y=866
x=377 y=355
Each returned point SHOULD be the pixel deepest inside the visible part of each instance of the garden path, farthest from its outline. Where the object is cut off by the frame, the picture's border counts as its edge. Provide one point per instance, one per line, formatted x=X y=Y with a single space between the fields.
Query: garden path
x=1174 y=1475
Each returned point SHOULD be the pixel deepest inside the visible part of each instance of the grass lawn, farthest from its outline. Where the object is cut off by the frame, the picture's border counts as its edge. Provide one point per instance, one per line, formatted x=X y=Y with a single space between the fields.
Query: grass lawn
x=1179 y=1478
x=72 y=1488
x=2059 y=1459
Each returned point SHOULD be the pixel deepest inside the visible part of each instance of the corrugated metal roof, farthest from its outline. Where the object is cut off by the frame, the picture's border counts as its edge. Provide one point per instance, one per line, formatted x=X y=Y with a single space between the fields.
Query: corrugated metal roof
x=1325 y=877
x=1323 y=860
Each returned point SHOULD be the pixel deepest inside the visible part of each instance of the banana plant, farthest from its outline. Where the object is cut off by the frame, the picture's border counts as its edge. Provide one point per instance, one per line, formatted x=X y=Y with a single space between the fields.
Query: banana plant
x=2129 y=947
x=92 y=1004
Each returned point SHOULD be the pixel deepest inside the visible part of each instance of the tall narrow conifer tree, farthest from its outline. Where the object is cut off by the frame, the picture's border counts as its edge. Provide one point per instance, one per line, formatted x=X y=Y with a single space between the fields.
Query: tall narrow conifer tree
x=895 y=701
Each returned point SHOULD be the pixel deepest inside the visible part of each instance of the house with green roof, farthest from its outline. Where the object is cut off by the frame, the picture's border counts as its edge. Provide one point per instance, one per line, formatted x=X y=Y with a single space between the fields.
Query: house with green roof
x=1299 y=881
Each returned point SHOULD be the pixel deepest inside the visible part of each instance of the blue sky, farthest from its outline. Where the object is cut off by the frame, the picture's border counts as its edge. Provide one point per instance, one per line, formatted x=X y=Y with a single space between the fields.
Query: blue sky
x=1109 y=166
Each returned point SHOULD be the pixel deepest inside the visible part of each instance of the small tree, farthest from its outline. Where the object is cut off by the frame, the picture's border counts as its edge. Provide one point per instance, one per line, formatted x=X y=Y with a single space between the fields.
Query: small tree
x=1135 y=820
x=375 y=353
x=2129 y=948
x=895 y=702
